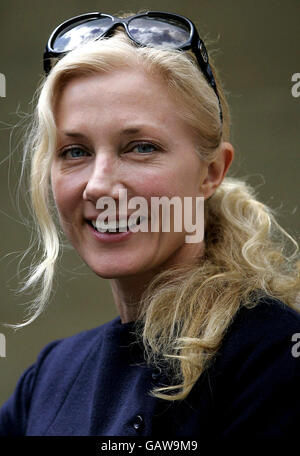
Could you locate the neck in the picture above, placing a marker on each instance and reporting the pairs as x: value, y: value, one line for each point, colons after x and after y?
x: 127, y: 292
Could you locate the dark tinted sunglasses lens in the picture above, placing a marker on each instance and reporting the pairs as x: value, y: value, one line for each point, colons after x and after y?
x: 80, y: 33
x: 159, y: 32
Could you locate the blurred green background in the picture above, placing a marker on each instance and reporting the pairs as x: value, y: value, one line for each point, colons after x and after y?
x: 257, y: 52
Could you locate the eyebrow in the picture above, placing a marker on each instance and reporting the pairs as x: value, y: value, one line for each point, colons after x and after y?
x: 126, y: 131
x: 73, y: 134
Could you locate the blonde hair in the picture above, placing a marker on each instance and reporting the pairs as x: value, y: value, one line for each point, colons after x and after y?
x: 186, y: 310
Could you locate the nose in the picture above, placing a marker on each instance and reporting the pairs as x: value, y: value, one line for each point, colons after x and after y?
x: 103, y: 179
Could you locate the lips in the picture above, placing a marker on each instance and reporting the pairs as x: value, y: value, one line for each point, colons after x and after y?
x: 114, y: 226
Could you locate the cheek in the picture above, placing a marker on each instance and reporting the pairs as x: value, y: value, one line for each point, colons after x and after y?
x: 66, y: 196
x: 173, y: 183
x: 183, y: 178
x: 159, y: 182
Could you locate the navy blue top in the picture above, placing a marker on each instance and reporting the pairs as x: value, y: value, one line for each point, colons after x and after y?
x: 96, y: 383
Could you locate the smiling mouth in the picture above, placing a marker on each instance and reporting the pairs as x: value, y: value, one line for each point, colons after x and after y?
x: 115, y: 227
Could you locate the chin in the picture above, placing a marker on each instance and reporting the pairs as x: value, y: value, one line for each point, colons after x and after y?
x: 110, y: 271
x: 114, y: 274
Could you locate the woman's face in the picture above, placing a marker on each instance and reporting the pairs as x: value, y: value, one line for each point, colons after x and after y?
x: 116, y: 131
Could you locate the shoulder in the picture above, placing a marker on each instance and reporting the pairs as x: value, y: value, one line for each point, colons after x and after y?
x: 260, y: 346
x: 267, y: 325
x: 257, y: 372
x: 74, y: 348
x: 58, y: 363
x: 71, y: 352
x: 270, y: 312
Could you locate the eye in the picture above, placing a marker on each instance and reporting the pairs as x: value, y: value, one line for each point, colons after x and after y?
x: 73, y: 152
x: 144, y: 148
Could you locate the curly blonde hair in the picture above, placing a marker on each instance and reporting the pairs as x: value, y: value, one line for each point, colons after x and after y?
x: 186, y: 310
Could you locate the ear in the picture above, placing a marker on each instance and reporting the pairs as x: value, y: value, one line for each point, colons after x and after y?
x: 217, y: 169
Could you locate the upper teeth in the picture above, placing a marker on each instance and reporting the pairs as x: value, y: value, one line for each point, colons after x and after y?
x: 114, y: 225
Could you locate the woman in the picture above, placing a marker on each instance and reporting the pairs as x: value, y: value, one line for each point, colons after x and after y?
x: 203, y: 345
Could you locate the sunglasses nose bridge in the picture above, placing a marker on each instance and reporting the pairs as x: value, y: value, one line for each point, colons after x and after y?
x: 113, y: 26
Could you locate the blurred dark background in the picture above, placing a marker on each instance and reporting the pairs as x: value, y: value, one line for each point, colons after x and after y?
x: 257, y: 52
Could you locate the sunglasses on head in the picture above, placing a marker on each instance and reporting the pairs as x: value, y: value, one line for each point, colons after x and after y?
x: 153, y: 28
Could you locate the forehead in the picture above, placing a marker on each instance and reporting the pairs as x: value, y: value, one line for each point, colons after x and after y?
x: 115, y: 85
x: 119, y: 96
